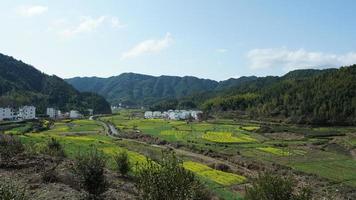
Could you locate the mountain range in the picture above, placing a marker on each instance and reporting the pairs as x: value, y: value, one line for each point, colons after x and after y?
x: 143, y: 90
x: 312, y: 96
x: 139, y: 89
x: 302, y: 96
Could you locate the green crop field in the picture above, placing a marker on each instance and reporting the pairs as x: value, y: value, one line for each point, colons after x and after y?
x: 217, y: 176
x: 227, y: 137
x: 80, y: 135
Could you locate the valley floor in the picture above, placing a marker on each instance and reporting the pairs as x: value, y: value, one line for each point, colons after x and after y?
x: 224, y: 154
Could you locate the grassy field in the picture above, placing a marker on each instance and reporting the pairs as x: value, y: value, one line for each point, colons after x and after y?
x: 230, y: 136
x: 227, y: 137
x: 80, y: 135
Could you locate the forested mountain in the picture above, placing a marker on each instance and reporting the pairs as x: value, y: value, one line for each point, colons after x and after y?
x: 302, y: 96
x: 138, y: 89
x: 22, y: 84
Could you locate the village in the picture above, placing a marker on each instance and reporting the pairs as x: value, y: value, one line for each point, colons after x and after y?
x: 29, y: 113
x: 174, y: 114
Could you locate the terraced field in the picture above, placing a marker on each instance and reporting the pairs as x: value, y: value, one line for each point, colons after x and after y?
x: 292, y: 148
x: 79, y: 135
x: 227, y: 137
x: 217, y: 176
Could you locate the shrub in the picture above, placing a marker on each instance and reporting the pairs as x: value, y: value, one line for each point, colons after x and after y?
x: 50, y: 176
x: 168, y: 180
x: 222, y: 167
x: 272, y: 187
x: 54, y: 148
x: 9, y: 191
x: 89, y: 168
x: 10, y: 146
x: 122, y: 163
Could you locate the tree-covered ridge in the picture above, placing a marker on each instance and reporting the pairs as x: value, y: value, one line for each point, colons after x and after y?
x: 326, y: 97
x: 138, y: 89
x: 22, y: 84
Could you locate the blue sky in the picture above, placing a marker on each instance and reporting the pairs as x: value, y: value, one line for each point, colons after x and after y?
x: 215, y: 39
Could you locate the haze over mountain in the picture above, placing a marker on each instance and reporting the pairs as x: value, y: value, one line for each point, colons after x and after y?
x: 22, y: 84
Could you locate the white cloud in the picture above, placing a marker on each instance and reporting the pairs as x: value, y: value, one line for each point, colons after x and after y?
x: 222, y: 50
x: 297, y: 59
x: 149, y: 46
x: 87, y: 24
x: 29, y: 11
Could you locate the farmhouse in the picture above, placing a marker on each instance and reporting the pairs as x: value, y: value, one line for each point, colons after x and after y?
x: 74, y: 114
x: 27, y: 112
x: 53, y: 113
x: 148, y: 114
x: 7, y: 114
x: 174, y: 114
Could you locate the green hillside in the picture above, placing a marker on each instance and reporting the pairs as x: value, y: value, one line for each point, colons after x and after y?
x: 303, y: 96
x: 22, y: 84
x: 138, y: 89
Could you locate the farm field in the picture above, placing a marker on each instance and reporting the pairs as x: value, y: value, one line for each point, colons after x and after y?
x: 318, y: 151
x: 79, y: 135
x: 306, y: 149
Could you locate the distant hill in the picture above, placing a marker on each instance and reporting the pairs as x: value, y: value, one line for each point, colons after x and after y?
x: 22, y: 84
x: 138, y: 89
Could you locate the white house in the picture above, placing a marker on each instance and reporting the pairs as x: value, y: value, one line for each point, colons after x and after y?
x: 156, y: 114
x: 183, y: 114
x: 52, y: 113
x: 74, y: 114
x: 196, y: 114
x: 148, y: 114
x: 6, y: 113
x: 27, y: 112
x: 173, y: 115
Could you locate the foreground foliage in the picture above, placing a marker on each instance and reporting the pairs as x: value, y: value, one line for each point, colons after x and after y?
x: 89, y: 168
x: 9, y: 146
x: 122, y: 162
x: 273, y: 187
x: 9, y: 191
x: 168, y: 180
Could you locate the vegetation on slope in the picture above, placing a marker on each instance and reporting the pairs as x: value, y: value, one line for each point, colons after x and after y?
x: 22, y: 84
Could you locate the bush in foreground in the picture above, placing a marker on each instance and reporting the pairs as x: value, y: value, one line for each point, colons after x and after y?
x: 10, y: 146
x: 168, y: 180
x: 9, y: 191
x: 122, y: 163
x: 54, y: 148
x: 89, y: 168
x: 272, y: 187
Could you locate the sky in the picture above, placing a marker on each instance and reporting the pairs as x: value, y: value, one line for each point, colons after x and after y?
x: 215, y: 39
